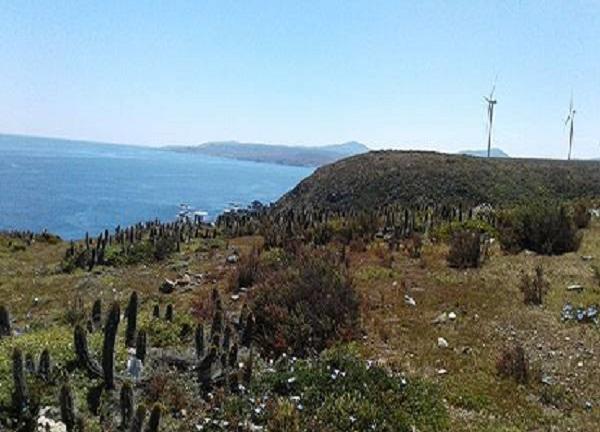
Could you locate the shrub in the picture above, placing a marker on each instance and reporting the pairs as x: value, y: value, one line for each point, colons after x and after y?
x: 447, y: 230
x: 414, y: 245
x: 246, y: 272
x: 581, y: 214
x: 307, y: 306
x: 340, y: 392
x: 544, y: 227
x: 534, y: 287
x: 513, y: 363
x: 465, y: 249
x: 383, y: 253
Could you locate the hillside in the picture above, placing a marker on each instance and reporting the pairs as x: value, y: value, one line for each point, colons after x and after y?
x: 407, y: 177
x: 279, y: 154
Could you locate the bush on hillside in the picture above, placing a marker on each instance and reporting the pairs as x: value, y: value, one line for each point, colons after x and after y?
x: 305, y: 306
x: 581, y: 214
x: 465, y: 249
x: 513, y: 363
x: 341, y: 392
x: 534, y: 287
x: 544, y: 227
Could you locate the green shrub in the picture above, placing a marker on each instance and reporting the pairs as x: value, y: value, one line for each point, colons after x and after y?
x: 446, y: 231
x: 340, y: 392
x: 581, y: 214
x: 305, y: 306
x: 544, y: 227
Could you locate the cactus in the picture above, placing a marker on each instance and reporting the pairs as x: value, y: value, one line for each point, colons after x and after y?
x: 97, y: 314
x: 4, y: 322
x: 29, y: 363
x: 108, y: 348
x: 45, y: 365
x: 126, y: 405
x: 248, y: 331
x: 248, y: 369
x: 131, y: 314
x: 154, y: 421
x: 205, y: 369
x: 20, y: 396
x: 67, y: 410
x: 141, y: 346
x: 169, y: 313
x: 233, y: 356
x: 137, y: 423
x: 227, y: 338
x: 199, y: 340
x: 234, y: 381
x: 217, y: 323
x: 84, y: 360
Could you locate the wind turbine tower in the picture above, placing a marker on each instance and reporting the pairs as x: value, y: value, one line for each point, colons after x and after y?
x: 570, y: 122
x: 491, y: 105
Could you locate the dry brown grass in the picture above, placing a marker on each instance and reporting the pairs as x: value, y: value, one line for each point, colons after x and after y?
x: 487, y: 301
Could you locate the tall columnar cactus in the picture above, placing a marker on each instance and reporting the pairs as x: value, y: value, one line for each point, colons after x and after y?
x: 227, y: 338
x: 199, y: 341
x: 137, y: 423
x: 97, y: 314
x: 126, y: 404
x: 67, y: 408
x: 108, y: 348
x: 4, y: 322
x: 141, y: 346
x: 154, y: 421
x: 233, y: 356
x: 20, y: 396
x: 205, y: 369
x: 131, y: 314
x: 84, y: 360
x: 45, y: 365
x: 169, y: 313
x: 248, y: 331
x: 216, y: 327
x: 248, y: 369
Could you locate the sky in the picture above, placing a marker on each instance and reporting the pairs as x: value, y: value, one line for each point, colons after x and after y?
x: 390, y: 74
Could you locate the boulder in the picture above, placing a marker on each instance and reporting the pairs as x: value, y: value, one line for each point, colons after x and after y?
x: 167, y: 287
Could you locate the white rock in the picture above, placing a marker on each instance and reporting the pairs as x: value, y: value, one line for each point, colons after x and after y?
x: 451, y: 316
x: 409, y: 300
x: 442, y: 343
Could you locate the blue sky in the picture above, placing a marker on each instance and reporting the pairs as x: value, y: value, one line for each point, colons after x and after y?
x: 391, y: 74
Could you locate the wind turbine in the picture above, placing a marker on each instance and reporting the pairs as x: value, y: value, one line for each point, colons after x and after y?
x: 569, y: 121
x: 491, y: 104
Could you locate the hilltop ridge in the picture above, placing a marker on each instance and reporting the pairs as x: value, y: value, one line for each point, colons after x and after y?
x: 407, y: 177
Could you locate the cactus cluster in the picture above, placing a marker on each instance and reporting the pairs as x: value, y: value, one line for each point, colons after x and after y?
x: 307, y: 225
x: 128, y: 245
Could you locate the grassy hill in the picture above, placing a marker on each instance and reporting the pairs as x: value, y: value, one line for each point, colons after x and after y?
x: 407, y: 177
x: 279, y: 154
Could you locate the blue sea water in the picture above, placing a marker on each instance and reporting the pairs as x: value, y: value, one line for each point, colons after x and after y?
x: 70, y: 187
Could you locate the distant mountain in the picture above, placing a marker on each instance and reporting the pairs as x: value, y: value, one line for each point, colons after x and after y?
x: 279, y: 154
x: 495, y: 152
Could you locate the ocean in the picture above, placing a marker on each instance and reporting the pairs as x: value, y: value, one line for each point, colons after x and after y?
x: 72, y: 187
